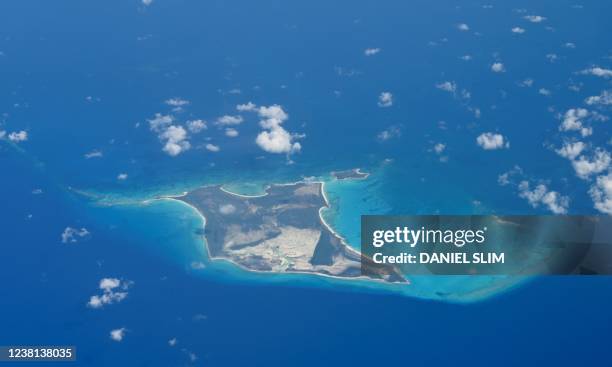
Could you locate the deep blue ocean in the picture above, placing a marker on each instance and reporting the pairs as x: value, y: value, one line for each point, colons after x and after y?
x: 85, y: 76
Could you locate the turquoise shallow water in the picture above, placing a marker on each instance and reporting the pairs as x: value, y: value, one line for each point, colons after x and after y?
x: 172, y: 230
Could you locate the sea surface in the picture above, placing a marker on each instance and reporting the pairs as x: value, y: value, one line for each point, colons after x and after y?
x: 86, y: 76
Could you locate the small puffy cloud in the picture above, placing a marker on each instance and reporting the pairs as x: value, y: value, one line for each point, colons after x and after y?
x: 492, y: 141
x: 604, y: 99
x: 447, y: 86
x: 540, y: 195
x: 599, y: 162
x: 439, y: 148
x: 573, y: 121
x: 176, y: 102
x: 544, y: 92
x: 274, y: 138
x: 371, y: 51
x: 172, y: 342
x: 277, y: 140
x: 212, y: 147
x: 498, y: 67
x: 272, y: 116
x: 122, y: 176
x: 227, y: 209
x: 389, y: 133
x: 597, y: 71
x: 526, y: 83
x: 229, y: 120
x: 232, y: 133
x: 571, y: 150
x: 71, y: 235
x: 94, y: 154
x: 18, y: 136
x: 175, y: 138
x: 250, y: 106
x: 463, y: 27
x: 601, y: 193
x: 118, y: 334
x: 518, y: 30
x: 113, y: 291
x: 159, y: 122
x: 466, y: 57
x: 385, y: 99
x: 195, y: 126
x: 506, y: 178
x: 534, y: 18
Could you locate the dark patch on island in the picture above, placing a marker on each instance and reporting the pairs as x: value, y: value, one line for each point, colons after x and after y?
x: 281, y: 231
x: 350, y: 174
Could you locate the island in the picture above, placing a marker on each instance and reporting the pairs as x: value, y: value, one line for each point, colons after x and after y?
x: 280, y: 231
x: 350, y: 174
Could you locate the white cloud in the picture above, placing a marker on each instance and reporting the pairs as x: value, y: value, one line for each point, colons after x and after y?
x: 439, y: 148
x: 113, y: 291
x: 147, y: 2
x: 571, y: 150
x: 597, y: 71
x: 601, y: 193
x: 552, y: 57
x: 447, y: 86
x: 597, y: 163
x: 232, y: 133
x: 605, y: 98
x: 118, y: 334
x: 172, y: 342
x: 463, y: 27
x: 212, y: 147
x: 159, y: 122
x: 18, y: 136
x: 371, y: 51
x: 275, y: 139
x: 272, y: 116
x: 498, y: 67
x: 229, y: 120
x: 93, y: 154
x: 71, y: 235
x: 175, y: 140
x: 573, y: 121
x: 526, y: 83
x: 390, y: 133
x: 534, y: 18
x: 122, y: 176
x: 227, y: 209
x: 176, y: 102
x: 518, y: 30
x: 385, y: 99
x: 540, y: 195
x: 250, y: 106
x: 195, y: 126
x: 544, y: 92
x: 466, y: 57
x: 492, y: 141
x: 504, y: 178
